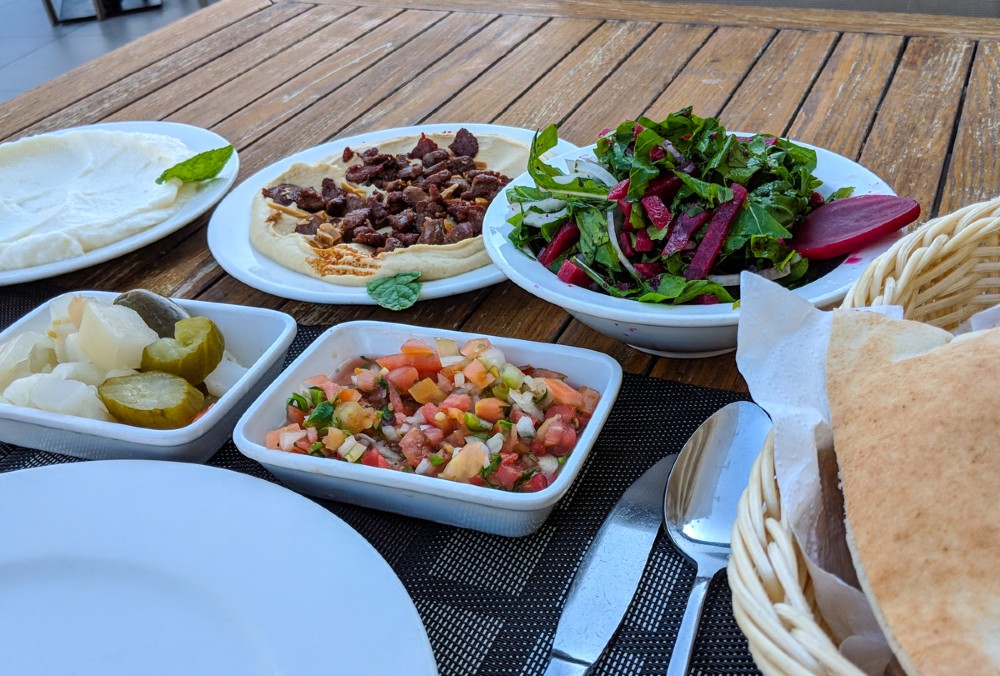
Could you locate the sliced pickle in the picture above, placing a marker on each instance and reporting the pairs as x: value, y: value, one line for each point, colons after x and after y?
x: 153, y: 399
x: 194, y: 351
x: 159, y: 313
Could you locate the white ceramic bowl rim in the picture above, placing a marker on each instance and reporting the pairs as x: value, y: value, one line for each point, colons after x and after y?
x: 833, y: 169
x: 142, y: 435
x: 415, y: 483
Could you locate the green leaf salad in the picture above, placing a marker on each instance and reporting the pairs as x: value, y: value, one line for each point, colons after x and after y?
x: 670, y: 212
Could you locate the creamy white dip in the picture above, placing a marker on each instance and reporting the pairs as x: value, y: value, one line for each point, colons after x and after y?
x: 64, y: 195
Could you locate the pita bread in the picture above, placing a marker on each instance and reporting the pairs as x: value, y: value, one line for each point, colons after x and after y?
x: 917, y: 436
x: 351, y: 264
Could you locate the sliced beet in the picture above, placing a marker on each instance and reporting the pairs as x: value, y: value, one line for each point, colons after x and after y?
x: 842, y: 226
x: 684, y: 226
x: 657, y: 211
x: 566, y: 236
x: 571, y: 273
x: 715, y: 235
x: 618, y: 190
x: 648, y: 270
x: 643, y: 242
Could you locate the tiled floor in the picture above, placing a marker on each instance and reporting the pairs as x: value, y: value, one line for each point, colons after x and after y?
x: 32, y: 50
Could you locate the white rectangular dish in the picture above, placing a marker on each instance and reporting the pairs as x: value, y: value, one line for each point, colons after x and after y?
x: 493, y: 511
x: 257, y: 338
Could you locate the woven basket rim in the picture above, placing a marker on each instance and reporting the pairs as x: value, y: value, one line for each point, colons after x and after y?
x: 941, y: 273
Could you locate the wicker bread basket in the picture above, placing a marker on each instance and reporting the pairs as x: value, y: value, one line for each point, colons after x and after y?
x: 941, y: 273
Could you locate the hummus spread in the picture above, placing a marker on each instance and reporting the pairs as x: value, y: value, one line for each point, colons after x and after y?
x: 64, y: 195
x: 281, y: 233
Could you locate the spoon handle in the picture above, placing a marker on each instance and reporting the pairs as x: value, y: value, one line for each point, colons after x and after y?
x: 680, y: 658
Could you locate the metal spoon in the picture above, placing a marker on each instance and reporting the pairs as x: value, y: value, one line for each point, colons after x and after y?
x: 700, y: 504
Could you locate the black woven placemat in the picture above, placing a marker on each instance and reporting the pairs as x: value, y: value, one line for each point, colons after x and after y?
x: 491, y: 604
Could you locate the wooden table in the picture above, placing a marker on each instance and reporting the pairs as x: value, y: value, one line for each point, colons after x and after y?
x: 911, y: 97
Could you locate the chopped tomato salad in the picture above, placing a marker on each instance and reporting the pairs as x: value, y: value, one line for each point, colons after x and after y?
x: 458, y: 412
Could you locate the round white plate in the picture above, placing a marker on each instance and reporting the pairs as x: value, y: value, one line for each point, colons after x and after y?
x: 834, y: 170
x: 144, y: 567
x: 210, y: 192
x: 229, y: 238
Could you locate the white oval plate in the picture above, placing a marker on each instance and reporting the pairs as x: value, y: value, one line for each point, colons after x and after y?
x: 229, y: 228
x: 144, y: 567
x: 834, y: 170
x: 198, y: 140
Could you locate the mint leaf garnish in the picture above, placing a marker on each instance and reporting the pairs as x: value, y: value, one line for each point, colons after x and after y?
x: 395, y: 293
x: 201, y: 167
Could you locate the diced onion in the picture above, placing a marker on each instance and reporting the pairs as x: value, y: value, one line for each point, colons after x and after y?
x: 548, y: 464
x: 286, y: 440
x: 452, y: 360
x: 425, y: 467
x: 526, y: 402
x: 525, y: 428
x: 495, y: 443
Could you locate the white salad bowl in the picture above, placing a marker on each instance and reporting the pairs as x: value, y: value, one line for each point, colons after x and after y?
x: 257, y: 339
x: 674, y: 330
x: 458, y: 504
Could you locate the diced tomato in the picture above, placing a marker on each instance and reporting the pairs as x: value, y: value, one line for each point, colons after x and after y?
x: 476, y: 480
x: 403, y: 378
x: 272, y: 439
x: 568, y: 413
x: 517, y: 414
x: 434, y: 436
x: 366, y: 381
x: 415, y: 446
x: 301, y: 446
x: 312, y: 434
x: 477, y: 374
x: 294, y: 415
x: 566, y: 441
x: 510, y: 441
x: 505, y: 476
x: 475, y: 346
x: 425, y: 364
x: 373, y: 458
x: 414, y: 346
x: 396, y: 402
x: 563, y: 394
x: 317, y: 381
x: 536, y: 483
x: 331, y: 390
x: 491, y: 409
x: 590, y: 399
x: 463, y: 402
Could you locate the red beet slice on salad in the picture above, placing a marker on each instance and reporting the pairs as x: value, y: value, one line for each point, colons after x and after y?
x: 842, y: 226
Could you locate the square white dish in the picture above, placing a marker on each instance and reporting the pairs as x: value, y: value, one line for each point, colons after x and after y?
x: 257, y: 338
x: 458, y: 504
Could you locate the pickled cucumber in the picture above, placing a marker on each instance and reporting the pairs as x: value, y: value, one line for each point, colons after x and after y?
x: 159, y: 313
x: 194, y: 351
x: 152, y: 399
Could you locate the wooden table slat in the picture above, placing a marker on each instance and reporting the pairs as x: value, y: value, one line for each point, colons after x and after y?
x: 847, y: 93
x: 909, y: 142
x: 974, y: 170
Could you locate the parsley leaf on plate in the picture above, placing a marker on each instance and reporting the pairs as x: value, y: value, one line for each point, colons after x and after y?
x: 201, y: 167
x: 395, y: 293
